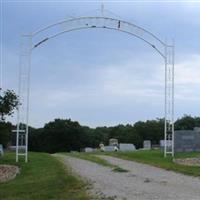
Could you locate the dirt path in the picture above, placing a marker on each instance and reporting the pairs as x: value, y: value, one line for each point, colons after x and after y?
x: 142, y: 182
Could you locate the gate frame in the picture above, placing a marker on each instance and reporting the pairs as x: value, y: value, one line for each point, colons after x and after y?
x: 29, y: 42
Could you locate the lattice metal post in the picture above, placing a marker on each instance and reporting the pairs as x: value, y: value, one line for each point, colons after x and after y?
x: 23, y: 109
x: 169, y: 100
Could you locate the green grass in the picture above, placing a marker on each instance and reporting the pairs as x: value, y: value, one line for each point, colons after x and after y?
x: 155, y: 158
x: 93, y: 158
x: 152, y: 157
x: 119, y: 169
x: 44, y: 177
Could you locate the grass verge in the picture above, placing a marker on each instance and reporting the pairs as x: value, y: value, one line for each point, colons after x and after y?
x: 42, y: 178
x: 155, y: 158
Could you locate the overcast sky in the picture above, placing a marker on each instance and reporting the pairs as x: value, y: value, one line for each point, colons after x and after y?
x: 102, y: 77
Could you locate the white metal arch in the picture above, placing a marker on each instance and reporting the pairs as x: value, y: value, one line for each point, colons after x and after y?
x: 32, y: 41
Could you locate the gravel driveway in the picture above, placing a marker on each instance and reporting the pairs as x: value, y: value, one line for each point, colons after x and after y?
x: 142, y: 182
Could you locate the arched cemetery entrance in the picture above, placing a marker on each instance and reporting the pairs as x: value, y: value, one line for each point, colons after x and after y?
x: 30, y: 42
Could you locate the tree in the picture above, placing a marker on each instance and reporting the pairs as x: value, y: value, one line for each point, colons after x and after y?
x: 8, y: 102
x: 186, y: 123
x: 150, y: 130
x: 58, y: 136
x: 5, y: 133
x: 66, y: 135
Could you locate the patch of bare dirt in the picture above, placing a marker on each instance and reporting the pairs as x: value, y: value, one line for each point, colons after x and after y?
x: 8, y: 172
x: 188, y: 161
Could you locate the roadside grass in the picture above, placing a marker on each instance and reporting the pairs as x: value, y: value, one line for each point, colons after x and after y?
x: 94, y: 158
x: 155, y: 158
x: 42, y: 178
x: 119, y: 169
x: 91, y: 157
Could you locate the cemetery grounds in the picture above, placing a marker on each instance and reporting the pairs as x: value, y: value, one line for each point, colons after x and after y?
x: 50, y: 177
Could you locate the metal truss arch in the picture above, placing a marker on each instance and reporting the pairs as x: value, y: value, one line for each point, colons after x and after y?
x: 40, y: 36
x: 98, y: 22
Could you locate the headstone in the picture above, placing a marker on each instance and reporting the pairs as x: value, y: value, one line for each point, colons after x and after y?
x: 113, y: 142
x: 102, y: 147
x: 126, y: 147
x: 1, y: 149
x: 116, y: 148
x: 162, y: 143
x: 109, y: 148
x: 147, y: 144
x: 88, y: 149
x: 187, y: 140
x: 197, y: 129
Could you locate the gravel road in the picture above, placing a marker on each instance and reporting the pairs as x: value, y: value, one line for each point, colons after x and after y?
x: 142, y: 182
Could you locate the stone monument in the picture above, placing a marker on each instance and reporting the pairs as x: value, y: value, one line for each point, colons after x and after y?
x: 113, y: 142
x: 187, y: 140
x: 147, y: 144
x: 126, y: 147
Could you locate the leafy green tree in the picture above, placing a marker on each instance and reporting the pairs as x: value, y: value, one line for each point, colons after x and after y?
x: 100, y: 134
x: 150, y: 130
x: 57, y: 136
x: 121, y: 133
x: 67, y: 135
x: 186, y: 123
x: 8, y: 102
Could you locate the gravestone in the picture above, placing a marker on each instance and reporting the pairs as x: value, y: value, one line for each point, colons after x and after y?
x: 1, y: 149
x: 147, y: 144
x: 113, y: 142
x: 187, y: 140
x: 109, y: 148
x: 162, y: 143
x: 88, y: 149
x: 197, y: 129
x: 126, y: 147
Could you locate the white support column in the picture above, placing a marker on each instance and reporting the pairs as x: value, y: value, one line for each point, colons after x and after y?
x: 23, y: 109
x: 169, y: 100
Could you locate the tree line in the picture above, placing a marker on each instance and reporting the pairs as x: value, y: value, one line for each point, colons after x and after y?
x: 67, y: 135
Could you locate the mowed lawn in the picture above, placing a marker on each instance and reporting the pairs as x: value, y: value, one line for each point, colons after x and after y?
x: 155, y: 158
x: 44, y: 177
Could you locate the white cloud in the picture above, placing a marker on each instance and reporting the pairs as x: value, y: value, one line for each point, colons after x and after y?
x: 114, y: 84
x: 188, y: 71
x: 187, y: 78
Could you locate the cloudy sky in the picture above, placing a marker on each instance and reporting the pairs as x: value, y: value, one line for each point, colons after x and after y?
x: 102, y: 77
